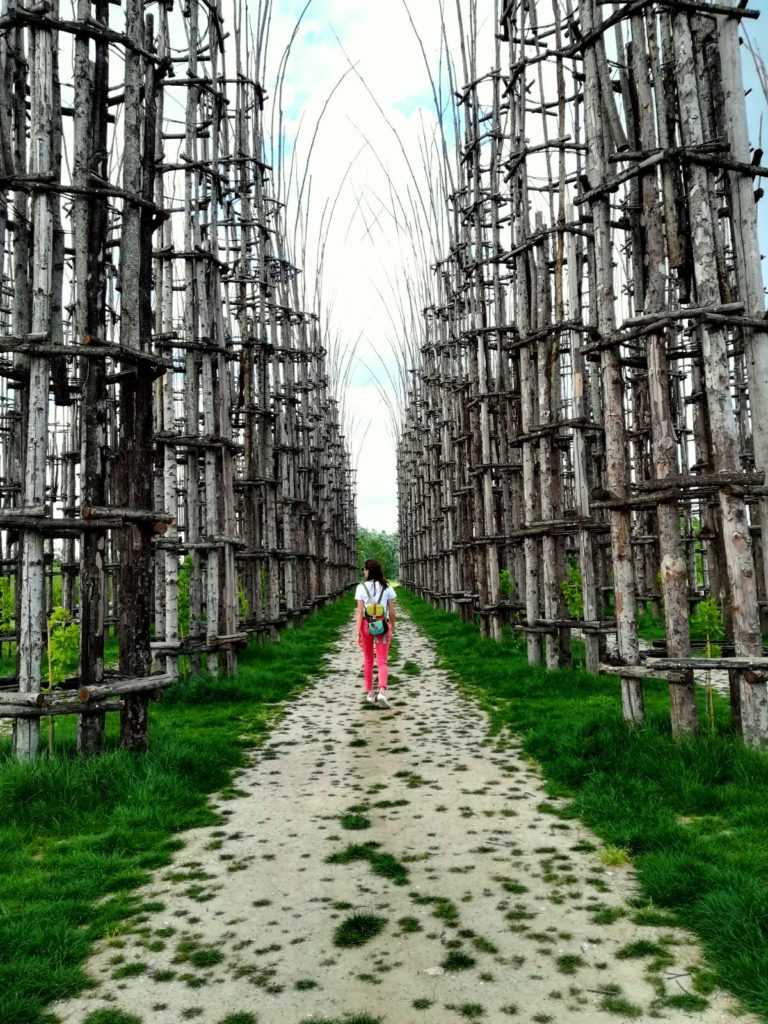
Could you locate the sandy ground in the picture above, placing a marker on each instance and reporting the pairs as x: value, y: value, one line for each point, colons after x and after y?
x: 499, y: 910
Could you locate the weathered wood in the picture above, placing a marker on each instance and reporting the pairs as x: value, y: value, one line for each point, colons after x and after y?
x: 31, y: 581
x: 122, y: 687
x: 624, y: 448
x: 736, y: 542
x: 754, y: 699
x: 32, y: 700
x: 650, y: 261
x: 734, y: 663
x: 86, y: 715
x: 642, y: 672
x: 589, y: 588
x: 615, y: 432
x: 167, y: 577
x: 90, y: 233
x: 99, y: 353
x: 159, y: 520
x: 133, y: 470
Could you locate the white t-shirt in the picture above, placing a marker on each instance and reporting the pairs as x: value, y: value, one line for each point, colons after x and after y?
x: 375, y: 595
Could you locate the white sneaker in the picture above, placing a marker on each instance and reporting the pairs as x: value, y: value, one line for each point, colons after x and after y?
x: 369, y: 697
x: 381, y: 699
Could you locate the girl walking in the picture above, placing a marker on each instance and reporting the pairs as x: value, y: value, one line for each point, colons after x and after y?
x: 375, y: 601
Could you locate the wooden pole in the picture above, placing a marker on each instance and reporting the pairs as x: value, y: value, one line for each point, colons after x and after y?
x: 598, y: 105
x: 90, y: 218
x: 31, y: 582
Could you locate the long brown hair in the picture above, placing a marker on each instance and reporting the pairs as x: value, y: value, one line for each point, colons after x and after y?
x: 375, y: 572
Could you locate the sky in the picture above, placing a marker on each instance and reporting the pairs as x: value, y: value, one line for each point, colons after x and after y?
x: 382, y: 109
x: 357, y: 67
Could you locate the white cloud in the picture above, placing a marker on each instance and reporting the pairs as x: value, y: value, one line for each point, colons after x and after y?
x: 375, y: 243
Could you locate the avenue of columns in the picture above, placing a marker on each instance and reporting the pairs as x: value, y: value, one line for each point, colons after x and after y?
x: 173, y: 469
x: 586, y: 439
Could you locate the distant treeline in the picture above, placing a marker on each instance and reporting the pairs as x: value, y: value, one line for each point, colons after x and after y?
x: 385, y: 547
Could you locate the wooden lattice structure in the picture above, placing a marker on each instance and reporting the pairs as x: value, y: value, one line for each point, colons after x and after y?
x: 165, y: 410
x: 590, y: 402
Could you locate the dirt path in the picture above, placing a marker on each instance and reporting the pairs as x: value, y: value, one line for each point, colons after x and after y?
x: 488, y: 906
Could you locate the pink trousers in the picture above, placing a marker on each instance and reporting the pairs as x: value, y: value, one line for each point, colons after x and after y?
x: 380, y: 645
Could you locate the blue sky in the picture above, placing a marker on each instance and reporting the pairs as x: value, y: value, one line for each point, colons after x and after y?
x: 757, y: 119
x: 369, y: 253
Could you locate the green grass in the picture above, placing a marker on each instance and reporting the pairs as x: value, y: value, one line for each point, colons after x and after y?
x: 382, y: 864
x: 357, y: 1018
x: 358, y: 929
x: 458, y: 960
x: 687, y: 1001
x: 471, y: 1011
x: 613, y: 856
x: 444, y: 909
x: 79, y: 835
x: 607, y: 915
x: 641, y: 948
x: 355, y: 822
x: 569, y: 963
x: 692, y: 815
x: 620, y: 1006
x: 129, y: 970
x: 192, y: 952
x: 408, y: 925
x: 111, y: 1017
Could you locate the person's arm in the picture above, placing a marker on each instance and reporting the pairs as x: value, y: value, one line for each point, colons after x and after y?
x: 392, y: 615
x: 359, y: 621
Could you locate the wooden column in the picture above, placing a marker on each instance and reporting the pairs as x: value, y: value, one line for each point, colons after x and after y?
x: 91, y: 154
x: 599, y: 111
x: 31, y: 579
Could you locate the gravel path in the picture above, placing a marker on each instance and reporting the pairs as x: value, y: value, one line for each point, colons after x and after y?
x: 471, y: 898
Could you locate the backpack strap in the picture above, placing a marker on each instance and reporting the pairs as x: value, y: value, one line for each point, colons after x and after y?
x: 371, y: 600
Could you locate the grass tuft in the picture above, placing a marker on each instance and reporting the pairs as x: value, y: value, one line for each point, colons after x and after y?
x: 569, y: 963
x: 383, y: 864
x: 687, y: 1001
x: 357, y: 1018
x: 355, y: 822
x: 133, y: 970
x: 110, y: 1016
x: 358, y: 929
x: 458, y: 960
x: 471, y: 1011
x: 408, y: 925
x: 641, y: 948
x: 621, y: 1006
x: 614, y: 856
x: 607, y: 915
